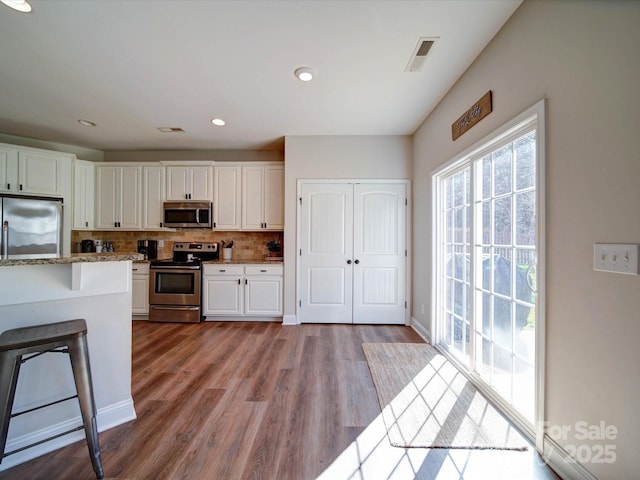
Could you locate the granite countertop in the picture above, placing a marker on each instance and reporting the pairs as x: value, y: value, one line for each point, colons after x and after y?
x: 237, y: 261
x: 244, y: 261
x: 73, y: 258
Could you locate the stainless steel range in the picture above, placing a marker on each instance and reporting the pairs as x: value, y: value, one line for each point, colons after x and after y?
x: 176, y: 284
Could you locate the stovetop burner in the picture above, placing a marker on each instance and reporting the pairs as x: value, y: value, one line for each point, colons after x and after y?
x: 192, y: 253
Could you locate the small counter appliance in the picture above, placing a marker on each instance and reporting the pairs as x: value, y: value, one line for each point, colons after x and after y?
x: 148, y: 248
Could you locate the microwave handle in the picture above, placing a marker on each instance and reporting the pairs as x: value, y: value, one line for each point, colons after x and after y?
x: 198, y: 216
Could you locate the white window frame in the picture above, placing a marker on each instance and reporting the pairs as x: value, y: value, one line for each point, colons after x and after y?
x: 535, y: 115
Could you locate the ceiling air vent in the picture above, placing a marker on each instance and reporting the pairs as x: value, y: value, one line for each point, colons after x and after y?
x: 171, y: 129
x: 420, y: 54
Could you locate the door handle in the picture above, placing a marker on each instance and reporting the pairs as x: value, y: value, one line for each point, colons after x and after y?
x: 348, y: 262
x: 357, y: 262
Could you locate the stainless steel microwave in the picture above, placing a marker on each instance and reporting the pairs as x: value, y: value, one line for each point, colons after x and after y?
x: 187, y: 214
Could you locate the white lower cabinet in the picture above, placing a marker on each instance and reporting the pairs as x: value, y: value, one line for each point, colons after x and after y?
x: 140, y: 289
x: 242, y: 291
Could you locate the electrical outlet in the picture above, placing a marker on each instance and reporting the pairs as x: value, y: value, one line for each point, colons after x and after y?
x: 616, y: 257
x: 160, y: 243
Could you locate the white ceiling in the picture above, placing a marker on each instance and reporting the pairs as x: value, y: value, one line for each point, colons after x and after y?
x: 131, y: 66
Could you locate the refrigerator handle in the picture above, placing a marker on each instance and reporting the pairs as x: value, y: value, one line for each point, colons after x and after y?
x: 4, y: 244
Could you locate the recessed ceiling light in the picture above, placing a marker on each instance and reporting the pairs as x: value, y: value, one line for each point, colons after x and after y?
x: 305, y: 74
x: 19, y: 5
x: 218, y: 122
x: 86, y: 123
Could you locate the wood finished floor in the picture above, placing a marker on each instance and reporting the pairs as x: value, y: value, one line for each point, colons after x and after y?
x: 236, y: 400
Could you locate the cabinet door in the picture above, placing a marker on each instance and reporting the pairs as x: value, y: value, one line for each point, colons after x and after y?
x: 178, y: 181
x: 252, y: 198
x: 263, y: 296
x: 227, y: 198
x: 39, y: 173
x: 201, y: 183
x: 130, y: 198
x: 222, y: 295
x: 153, y: 187
x: 139, y: 293
x: 274, y: 198
x: 83, y: 195
x: 8, y: 170
x: 107, y: 179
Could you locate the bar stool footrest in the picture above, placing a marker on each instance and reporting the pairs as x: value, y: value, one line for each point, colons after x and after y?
x: 81, y: 427
x: 17, y: 414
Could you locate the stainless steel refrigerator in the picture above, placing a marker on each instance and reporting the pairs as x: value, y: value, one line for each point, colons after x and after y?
x: 31, y: 227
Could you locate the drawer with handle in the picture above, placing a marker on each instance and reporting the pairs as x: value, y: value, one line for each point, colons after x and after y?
x: 263, y: 270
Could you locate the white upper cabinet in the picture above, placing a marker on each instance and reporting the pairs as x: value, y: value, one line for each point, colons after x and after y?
x: 153, y: 193
x: 263, y: 198
x: 189, y: 182
x: 227, y: 185
x: 33, y: 172
x: 8, y: 169
x: 118, y: 197
x: 83, y: 195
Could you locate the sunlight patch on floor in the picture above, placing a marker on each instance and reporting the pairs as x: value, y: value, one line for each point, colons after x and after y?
x: 371, y: 457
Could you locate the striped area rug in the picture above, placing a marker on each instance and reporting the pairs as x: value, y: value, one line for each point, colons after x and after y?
x: 427, y: 402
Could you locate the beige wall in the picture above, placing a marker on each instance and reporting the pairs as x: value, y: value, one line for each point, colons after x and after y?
x: 334, y: 157
x: 583, y: 57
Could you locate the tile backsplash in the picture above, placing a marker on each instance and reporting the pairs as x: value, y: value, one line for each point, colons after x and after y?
x: 247, y: 245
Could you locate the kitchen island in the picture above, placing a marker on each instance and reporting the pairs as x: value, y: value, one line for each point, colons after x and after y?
x: 96, y: 287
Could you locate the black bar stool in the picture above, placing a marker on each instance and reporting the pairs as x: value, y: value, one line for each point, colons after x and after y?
x: 62, y: 337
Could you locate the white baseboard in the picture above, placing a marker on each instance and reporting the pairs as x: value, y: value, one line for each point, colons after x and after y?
x: 420, y: 330
x: 107, y: 417
x: 560, y: 461
x: 290, y: 320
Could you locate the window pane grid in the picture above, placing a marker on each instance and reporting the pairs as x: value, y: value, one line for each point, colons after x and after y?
x: 457, y: 230
x: 503, y: 275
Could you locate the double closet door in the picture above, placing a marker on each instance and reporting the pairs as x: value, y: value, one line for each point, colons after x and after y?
x: 352, y: 253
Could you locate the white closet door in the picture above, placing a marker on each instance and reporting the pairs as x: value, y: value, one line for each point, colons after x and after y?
x: 326, y: 222
x: 379, y: 253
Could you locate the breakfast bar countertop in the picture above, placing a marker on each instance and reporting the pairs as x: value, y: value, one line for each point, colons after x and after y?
x: 73, y: 258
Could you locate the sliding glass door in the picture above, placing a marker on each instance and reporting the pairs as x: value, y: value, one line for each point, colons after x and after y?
x: 487, y: 222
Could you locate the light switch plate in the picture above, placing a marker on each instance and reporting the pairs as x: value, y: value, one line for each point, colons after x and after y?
x: 616, y: 257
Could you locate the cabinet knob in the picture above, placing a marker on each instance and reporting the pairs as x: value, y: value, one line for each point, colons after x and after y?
x: 21, y: 187
x: 357, y: 262
x: 348, y: 262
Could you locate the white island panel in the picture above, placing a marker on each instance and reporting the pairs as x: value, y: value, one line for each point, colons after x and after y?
x: 36, y: 294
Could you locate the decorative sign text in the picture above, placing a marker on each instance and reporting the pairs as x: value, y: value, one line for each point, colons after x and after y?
x: 477, y: 112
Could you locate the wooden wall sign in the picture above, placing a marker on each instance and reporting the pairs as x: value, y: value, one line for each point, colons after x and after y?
x: 477, y: 112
